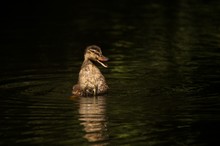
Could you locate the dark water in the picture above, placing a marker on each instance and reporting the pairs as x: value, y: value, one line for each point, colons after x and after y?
x: 163, y: 73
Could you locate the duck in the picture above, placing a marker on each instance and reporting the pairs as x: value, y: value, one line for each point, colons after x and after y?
x: 91, y: 81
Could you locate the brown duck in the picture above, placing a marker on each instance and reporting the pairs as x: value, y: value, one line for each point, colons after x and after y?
x: 91, y: 82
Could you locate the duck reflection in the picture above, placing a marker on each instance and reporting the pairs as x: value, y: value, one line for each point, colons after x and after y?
x: 93, y: 118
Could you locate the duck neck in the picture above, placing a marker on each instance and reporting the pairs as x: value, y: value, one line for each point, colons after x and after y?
x: 87, y: 62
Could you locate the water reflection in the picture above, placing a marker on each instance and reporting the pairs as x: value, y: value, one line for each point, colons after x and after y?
x: 92, y: 117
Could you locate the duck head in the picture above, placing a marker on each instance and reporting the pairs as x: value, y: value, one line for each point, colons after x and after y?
x: 94, y: 53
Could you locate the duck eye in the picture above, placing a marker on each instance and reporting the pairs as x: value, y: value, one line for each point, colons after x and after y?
x: 95, y: 52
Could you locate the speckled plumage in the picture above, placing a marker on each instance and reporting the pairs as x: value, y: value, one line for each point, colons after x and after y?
x: 91, y: 82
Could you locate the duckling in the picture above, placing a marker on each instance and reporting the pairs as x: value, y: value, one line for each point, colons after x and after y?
x: 91, y: 82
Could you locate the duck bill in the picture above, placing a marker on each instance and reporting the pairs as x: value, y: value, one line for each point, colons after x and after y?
x: 101, y: 61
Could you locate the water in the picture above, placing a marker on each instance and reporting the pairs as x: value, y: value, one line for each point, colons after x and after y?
x: 163, y: 74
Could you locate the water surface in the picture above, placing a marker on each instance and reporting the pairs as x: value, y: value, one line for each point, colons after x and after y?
x: 163, y: 74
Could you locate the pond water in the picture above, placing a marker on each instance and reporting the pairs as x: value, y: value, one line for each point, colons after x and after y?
x: 163, y: 73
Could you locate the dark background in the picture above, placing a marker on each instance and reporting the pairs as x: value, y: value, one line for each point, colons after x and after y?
x: 163, y: 76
